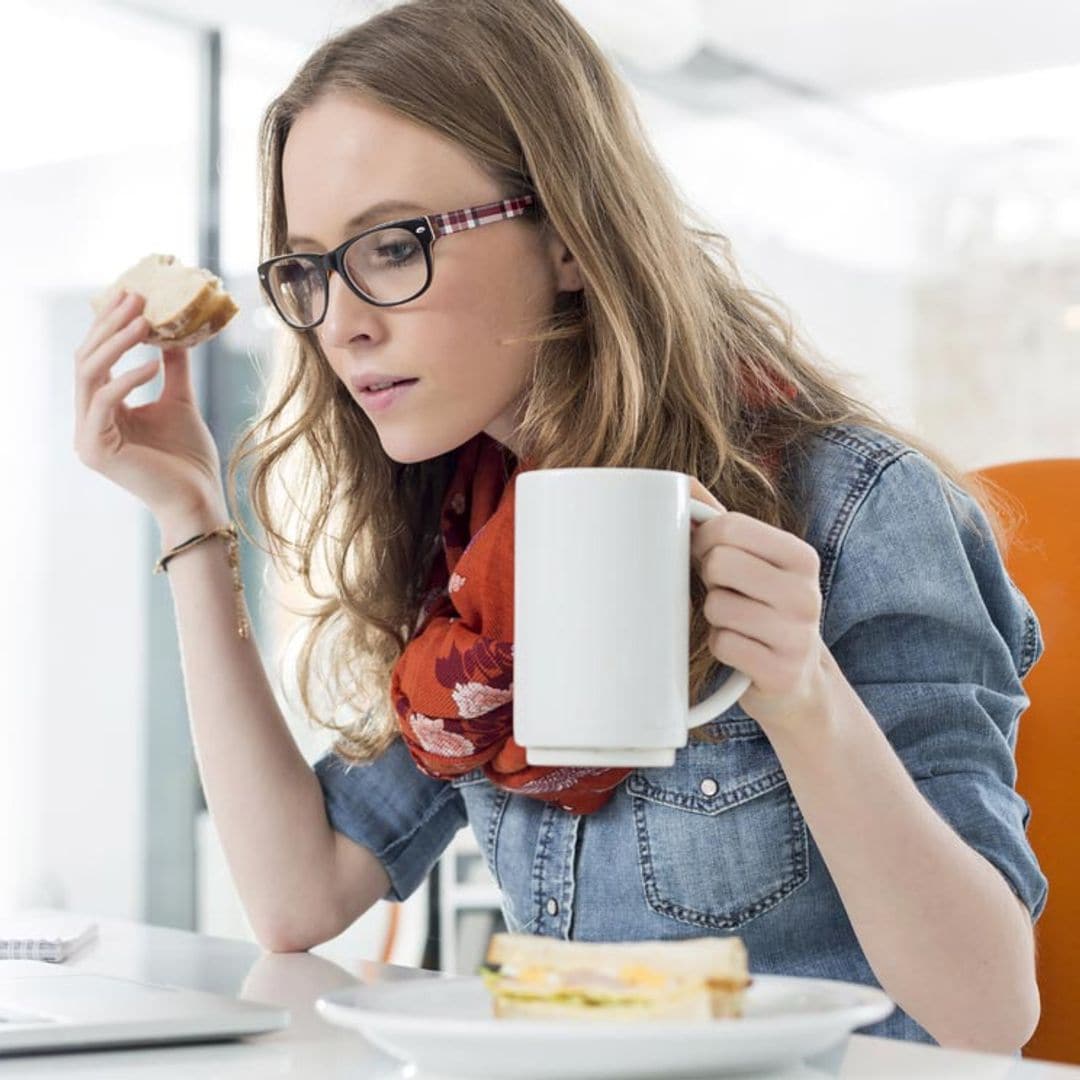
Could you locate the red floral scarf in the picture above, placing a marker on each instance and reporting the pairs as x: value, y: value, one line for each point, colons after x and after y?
x: 452, y: 687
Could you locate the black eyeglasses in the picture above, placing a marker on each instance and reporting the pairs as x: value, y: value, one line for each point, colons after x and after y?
x: 386, y: 265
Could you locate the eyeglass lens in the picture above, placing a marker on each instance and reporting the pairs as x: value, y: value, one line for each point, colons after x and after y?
x: 387, y: 265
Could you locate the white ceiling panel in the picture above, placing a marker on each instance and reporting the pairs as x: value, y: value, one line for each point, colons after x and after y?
x: 853, y: 47
x: 847, y: 47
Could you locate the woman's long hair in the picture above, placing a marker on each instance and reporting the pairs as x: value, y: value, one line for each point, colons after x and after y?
x: 666, y: 360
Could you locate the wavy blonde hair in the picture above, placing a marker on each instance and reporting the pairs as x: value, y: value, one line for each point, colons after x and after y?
x: 648, y: 367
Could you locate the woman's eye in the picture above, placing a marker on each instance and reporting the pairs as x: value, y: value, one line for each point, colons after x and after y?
x: 397, y: 253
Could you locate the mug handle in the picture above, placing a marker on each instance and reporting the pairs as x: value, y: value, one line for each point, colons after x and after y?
x: 736, y: 684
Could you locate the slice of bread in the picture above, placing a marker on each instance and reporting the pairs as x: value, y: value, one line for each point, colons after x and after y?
x: 718, y: 959
x: 686, y: 1007
x: 184, y: 305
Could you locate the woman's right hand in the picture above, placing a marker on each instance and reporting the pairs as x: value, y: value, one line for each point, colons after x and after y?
x: 161, y: 452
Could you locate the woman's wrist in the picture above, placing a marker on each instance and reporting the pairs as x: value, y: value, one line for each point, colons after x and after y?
x: 810, y: 722
x: 182, y: 523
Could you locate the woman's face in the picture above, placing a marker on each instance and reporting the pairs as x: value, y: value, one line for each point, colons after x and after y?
x: 489, y: 285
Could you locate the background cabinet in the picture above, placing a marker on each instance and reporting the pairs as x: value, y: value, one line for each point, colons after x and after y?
x: 470, y: 906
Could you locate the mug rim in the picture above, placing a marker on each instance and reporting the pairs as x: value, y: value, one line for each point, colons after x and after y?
x: 574, y: 470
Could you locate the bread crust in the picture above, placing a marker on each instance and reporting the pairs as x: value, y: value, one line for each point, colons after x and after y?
x: 726, y: 1003
x: 204, y: 317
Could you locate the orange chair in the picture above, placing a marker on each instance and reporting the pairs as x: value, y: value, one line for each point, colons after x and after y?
x: 1044, y: 561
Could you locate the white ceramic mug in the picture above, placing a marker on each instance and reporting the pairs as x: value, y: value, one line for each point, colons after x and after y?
x: 602, y: 617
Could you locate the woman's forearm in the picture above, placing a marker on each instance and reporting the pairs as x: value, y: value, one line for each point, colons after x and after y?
x: 265, y: 800
x: 942, y: 930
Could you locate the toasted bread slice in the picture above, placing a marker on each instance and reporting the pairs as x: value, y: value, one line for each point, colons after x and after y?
x: 184, y: 305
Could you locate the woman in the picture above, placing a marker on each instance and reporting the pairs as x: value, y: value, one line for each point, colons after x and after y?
x: 459, y: 194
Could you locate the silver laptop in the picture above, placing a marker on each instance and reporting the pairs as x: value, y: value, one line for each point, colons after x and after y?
x: 44, y: 1010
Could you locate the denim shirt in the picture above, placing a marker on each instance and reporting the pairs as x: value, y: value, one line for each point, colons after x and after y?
x: 928, y: 628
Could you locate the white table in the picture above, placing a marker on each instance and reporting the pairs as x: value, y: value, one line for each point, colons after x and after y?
x: 313, y: 1049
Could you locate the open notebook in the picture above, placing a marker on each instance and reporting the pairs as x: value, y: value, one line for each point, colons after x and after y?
x: 53, y: 938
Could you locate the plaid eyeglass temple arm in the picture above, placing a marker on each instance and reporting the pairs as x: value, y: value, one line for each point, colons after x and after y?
x: 474, y: 216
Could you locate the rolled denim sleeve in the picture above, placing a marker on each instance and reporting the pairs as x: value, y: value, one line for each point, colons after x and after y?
x: 935, y: 638
x: 406, y: 819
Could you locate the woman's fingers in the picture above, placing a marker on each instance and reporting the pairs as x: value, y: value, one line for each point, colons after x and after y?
x: 178, y: 386
x: 700, y: 492
x: 107, y: 323
x: 727, y: 609
x: 102, y: 408
x: 93, y: 371
x: 794, y: 592
x: 733, y: 568
x: 782, y: 549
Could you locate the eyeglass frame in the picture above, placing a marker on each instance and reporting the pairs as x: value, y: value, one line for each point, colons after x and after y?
x: 427, y: 228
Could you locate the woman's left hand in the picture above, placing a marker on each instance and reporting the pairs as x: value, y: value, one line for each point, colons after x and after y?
x: 764, y: 605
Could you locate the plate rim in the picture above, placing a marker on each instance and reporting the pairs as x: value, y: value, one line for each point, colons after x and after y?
x: 870, y: 1005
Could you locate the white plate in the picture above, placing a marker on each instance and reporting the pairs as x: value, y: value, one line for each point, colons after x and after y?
x: 446, y: 1026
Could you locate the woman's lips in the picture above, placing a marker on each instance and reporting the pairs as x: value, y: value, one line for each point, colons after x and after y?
x: 378, y: 400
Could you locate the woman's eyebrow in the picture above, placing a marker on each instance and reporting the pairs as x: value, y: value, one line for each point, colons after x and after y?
x: 371, y: 215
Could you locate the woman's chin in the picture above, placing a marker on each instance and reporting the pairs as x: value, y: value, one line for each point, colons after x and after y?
x: 405, y: 452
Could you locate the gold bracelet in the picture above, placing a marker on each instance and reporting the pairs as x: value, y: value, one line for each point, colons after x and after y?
x: 228, y: 533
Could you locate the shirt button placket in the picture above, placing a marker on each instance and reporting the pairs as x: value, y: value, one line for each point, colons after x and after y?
x: 562, y: 903
x: 554, y: 870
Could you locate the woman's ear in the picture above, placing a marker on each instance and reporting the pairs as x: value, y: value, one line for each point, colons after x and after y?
x: 567, y: 271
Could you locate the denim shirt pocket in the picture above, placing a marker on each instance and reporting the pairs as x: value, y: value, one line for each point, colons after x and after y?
x: 720, y: 837
x: 484, y: 805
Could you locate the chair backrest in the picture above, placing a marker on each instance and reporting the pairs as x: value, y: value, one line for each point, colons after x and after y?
x: 1044, y: 561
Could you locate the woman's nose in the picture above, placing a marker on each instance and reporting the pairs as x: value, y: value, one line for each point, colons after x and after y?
x: 348, y: 316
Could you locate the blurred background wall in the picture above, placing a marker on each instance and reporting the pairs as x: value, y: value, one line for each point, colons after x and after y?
x: 903, y: 176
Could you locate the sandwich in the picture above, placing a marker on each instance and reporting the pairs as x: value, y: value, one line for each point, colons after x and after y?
x: 184, y: 305
x: 693, y: 979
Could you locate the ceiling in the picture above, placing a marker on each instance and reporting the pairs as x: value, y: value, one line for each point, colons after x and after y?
x: 841, y: 47
x: 962, y: 71
x: 901, y: 85
x: 886, y: 100
x: 851, y: 47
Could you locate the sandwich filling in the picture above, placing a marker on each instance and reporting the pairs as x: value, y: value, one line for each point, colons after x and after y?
x: 628, y: 985
x: 531, y: 977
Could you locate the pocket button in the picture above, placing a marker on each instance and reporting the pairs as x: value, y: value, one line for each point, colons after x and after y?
x: 709, y: 787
